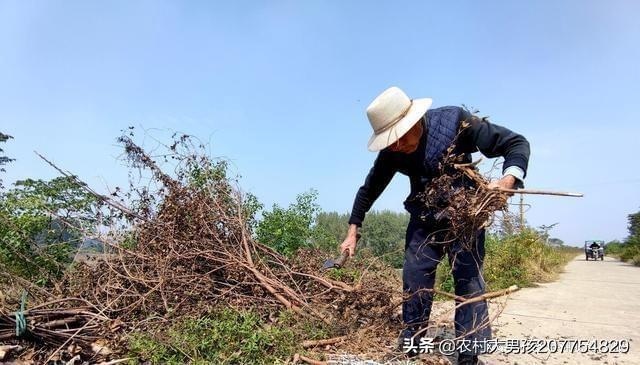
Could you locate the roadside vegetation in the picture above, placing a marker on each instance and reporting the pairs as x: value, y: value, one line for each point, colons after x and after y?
x: 629, y: 249
x: 523, y: 259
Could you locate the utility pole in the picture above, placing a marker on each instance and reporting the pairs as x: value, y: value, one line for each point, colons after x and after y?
x: 521, y: 213
x: 546, y: 229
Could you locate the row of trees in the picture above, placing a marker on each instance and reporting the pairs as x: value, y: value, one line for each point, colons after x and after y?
x: 303, y: 224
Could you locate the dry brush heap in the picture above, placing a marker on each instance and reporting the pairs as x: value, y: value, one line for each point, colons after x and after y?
x: 189, y: 248
x: 186, y: 246
x: 196, y: 250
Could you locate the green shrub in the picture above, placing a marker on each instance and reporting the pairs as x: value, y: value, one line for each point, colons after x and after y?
x: 41, y: 224
x: 629, y: 251
x: 346, y: 274
x: 613, y: 248
x: 288, y: 229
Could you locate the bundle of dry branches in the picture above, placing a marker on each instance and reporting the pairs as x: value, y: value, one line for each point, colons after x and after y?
x: 460, y: 199
x: 57, y: 322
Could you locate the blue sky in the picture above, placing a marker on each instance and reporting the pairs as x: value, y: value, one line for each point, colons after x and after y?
x: 280, y: 89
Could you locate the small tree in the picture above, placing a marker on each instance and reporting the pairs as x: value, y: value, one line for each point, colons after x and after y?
x: 634, y: 224
x: 3, y: 159
x: 288, y: 229
x: 41, y: 224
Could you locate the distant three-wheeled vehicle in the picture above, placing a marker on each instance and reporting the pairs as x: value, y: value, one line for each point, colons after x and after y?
x: 594, y: 250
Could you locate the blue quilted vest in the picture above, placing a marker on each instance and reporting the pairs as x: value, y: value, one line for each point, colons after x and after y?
x: 442, y: 128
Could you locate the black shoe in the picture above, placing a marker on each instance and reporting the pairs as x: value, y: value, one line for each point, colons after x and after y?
x: 468, y: 359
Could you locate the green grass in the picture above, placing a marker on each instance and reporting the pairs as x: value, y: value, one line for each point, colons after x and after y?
x: 345, y: 274
x: 226, y: 336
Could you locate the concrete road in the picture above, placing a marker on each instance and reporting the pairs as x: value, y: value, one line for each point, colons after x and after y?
x: 590, y: 300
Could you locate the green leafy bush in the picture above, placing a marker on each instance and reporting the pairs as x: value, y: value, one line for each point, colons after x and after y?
x: 288, y: 229
x: 629, y: 250
x: 522, y: 259
x: 444, y: 278
x: 41, y: 225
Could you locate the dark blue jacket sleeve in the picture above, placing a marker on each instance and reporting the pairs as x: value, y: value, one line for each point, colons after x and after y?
x: 493, y: 141
x: 377, y: 180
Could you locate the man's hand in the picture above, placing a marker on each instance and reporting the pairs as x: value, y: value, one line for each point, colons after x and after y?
x: 507, y: 182
x: 349, y: 243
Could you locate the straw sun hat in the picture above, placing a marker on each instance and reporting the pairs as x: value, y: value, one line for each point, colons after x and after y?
x: 391, y: 115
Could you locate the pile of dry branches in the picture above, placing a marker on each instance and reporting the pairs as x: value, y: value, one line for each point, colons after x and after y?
x: 181, y: 244
x: 189, y: 249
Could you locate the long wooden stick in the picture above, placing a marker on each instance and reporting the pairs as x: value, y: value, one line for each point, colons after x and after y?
x: 324, y: 342
x: 102, y: 198
x: 113, y: 362
x: 539, y: 192
x: 494, y: 294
